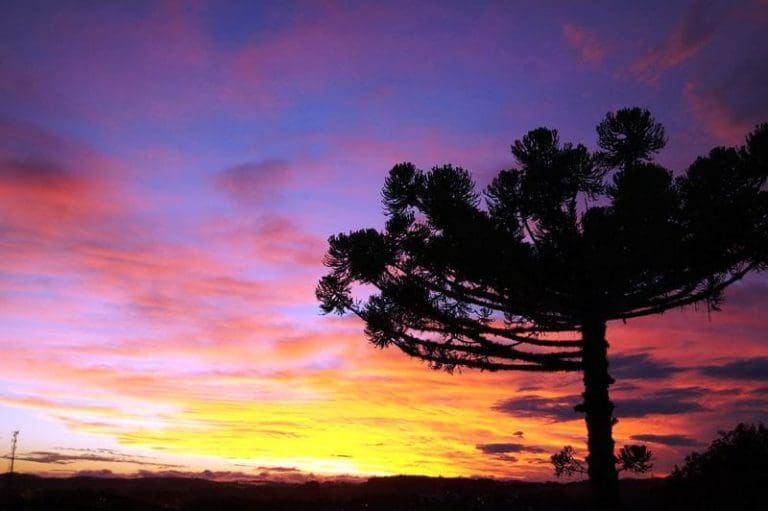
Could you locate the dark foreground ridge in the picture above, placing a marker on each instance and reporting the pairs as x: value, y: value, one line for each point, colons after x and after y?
x: 402, y: 493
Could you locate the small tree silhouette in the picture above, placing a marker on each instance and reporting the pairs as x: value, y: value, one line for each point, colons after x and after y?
x: 634, y: 458
x: 562, y: 244
x: 566, y: 464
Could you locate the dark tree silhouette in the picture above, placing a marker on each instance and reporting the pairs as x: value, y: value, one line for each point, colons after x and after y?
x: 559, y: 245
x: 731, y: 474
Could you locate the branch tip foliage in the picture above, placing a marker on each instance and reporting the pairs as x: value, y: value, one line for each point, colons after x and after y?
x: 506, y: 277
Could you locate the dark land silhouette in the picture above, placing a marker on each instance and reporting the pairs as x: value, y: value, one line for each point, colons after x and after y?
x: 391, y: 494
x: 526, y: 275
x: 405, y: 493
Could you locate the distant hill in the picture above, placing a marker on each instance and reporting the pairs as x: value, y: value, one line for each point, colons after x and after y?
x: 30, y: 493
x: 22, y: 492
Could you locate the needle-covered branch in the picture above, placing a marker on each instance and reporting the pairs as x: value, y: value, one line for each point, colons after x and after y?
x: 518, y: 263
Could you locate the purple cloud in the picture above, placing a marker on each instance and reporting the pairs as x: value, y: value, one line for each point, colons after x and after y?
x: 754, y: 368
x: 670, y: 440
x: 254, y: 183
x: 501, y: 448
x: 640, y: 366
x: 561, y: 409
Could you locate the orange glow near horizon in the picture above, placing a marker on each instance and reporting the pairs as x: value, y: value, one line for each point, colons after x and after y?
x: 377, y: 413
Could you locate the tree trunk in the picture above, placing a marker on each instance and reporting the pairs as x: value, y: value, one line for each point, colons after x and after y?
x: 601, y: 462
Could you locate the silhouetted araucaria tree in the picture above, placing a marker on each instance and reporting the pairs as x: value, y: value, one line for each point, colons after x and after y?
x: 563, y: 243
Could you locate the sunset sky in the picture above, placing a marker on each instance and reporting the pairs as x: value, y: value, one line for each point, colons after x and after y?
x: 170, y: 171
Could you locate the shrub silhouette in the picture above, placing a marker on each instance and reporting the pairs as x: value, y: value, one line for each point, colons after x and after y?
x: 731, y: 474
x: 633, y: 458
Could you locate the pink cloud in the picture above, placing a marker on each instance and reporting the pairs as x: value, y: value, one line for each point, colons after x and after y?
x: 55, y: 195
x: 711, y: 110
x: 697, y: 28
x: 276, y: 240
x: 50, y: 184
x: 282, y: 239
x: 591, y: 50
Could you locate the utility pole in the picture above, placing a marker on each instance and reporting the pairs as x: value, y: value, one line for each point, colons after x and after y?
x: 13, y: 450
x: 10, y: 497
